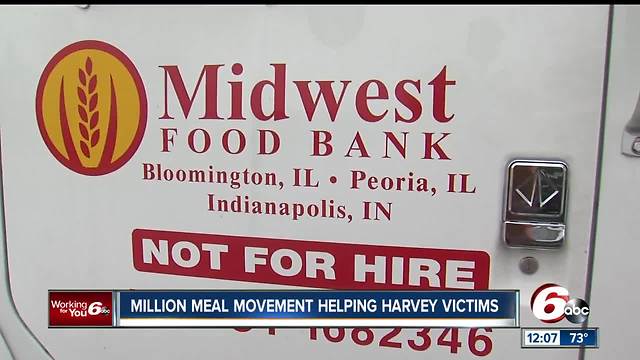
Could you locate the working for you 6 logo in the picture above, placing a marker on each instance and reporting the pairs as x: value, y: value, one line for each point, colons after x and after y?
x: 91, y: 107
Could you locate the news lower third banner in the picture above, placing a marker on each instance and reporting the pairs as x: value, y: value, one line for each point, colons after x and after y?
x: 286, y: 308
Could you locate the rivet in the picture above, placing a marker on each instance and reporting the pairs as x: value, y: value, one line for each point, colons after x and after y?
x: 529, y: 265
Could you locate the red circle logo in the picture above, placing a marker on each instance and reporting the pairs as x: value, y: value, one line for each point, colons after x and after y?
x: 91, y: 107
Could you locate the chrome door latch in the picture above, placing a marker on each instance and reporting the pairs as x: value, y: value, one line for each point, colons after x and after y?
x: 535, y: 204
x: 631, y: 134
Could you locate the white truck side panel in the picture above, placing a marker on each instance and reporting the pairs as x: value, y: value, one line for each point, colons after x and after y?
x: 529, y: 85
x: 615, y: 284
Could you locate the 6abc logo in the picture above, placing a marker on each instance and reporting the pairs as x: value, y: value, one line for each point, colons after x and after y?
x: 550, y: 303
x: 97, y: 308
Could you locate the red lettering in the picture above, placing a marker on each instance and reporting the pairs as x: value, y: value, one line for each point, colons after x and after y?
x: 430, y: 145
x: 317, y: 142
x: 263, y: 142
x: 439, y: 84
x: 236, y: 94
x: 168, y: 138
x: 359, y: 145
x: 242, y: 141
x: 205, y: 138
x: 210, y: 75
x: 325, y: 92
x: 362, y: 97
x: 279, y: 95
x: 402, y: 148
x: 409, y: 101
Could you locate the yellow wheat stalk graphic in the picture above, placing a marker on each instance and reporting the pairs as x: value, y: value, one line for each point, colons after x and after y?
x: 88, y: 108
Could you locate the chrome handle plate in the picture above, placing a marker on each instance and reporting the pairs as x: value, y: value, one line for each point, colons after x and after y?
x: 535, y: 204
x: 631, y: 133
x: 630, y: 143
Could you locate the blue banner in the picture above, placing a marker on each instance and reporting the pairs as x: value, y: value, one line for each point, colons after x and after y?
x: 301, y: 308
x: 579, y: 337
